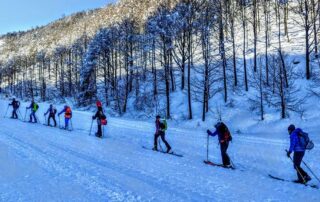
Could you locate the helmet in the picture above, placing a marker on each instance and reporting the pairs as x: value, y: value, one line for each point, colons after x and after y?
x: 158, y: 117
x: 99, y: 104
x: 291, y: 128
x: 217, y: 124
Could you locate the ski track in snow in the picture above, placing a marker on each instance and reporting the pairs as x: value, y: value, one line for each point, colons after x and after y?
x: 40, y: 163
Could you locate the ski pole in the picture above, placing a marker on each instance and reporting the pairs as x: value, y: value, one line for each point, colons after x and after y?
x: 6, y: 112
x: 25, y: 115
x: 37, y: 119
x: 59, y: 122
x: 71, y: 124
x: 311, y: 171
x: 304, y: 181
x: 91, y: 127
x: 207, y: 147
x: 20, y: 114
x: 45, y: 119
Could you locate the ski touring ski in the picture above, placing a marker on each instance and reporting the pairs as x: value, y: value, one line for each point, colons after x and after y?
x: 217, y: 164
x: 50, y: 125
x: 66, y: 129
x: 285, y: 180
x: 171, y: 153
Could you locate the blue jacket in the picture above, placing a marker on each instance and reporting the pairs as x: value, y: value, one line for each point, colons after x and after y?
x: 295, y: 144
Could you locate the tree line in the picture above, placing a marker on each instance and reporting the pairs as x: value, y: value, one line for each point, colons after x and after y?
x: 199, y: 47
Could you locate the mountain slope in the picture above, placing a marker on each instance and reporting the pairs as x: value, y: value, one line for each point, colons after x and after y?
x: 67, y: 30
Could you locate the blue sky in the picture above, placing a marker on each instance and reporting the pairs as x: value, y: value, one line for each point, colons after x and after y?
x: 22, y: 15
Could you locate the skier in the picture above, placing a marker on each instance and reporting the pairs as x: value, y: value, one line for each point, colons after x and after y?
x: 299, y: 151
x: 67, y: 116
x: 34, y: 108
x: 101, y: 119
x: 224, y: 137
x: 15, y: 105
x: 160, y: 131
x: 52, y: 115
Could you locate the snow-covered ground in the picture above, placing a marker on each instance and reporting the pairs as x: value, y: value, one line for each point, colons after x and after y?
x: 40, y: 163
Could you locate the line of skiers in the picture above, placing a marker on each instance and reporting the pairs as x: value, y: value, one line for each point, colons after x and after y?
x: 52, y: 111
x: 299, y: 140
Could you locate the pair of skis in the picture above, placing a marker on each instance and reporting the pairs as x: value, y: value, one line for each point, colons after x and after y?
x: 285, y: 180
x: 170, y: 153
x: 218, y: 165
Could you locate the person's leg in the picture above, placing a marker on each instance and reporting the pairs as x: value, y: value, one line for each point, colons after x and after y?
x: 34, y: 116
x: 155, y: 144
x: 14, y: 114
x: 30, y: 117
x: 54, y: 120
x: 99, y: 133
x: 297, y: 159
x: 48, y: 121
x: 66, y: 123
x: 163, y: 138
x: 224, y: 155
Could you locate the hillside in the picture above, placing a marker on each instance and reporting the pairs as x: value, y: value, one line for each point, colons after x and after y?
x: 181, y: 59
x: 67, y: 30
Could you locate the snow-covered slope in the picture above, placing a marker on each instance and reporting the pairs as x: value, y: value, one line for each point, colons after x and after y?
x: 40, y: 163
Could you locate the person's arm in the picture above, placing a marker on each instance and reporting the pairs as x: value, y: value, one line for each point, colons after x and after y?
x: 293, y: 142
x: 95, y: 116
x: 212, y: 134
x: 157, y: 126
x: 47, y: 112
x: 61, y: 112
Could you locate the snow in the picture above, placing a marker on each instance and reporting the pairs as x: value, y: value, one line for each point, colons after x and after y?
x: 1, y: 44
x: 40, y: 163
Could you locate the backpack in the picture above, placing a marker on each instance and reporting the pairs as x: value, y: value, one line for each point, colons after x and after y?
x: 103, y: 120
x: 68, y: 112
x: 163, y: 125
x: 225, y: 133
x: 17, y: 104
x: 305, y: 141
x: 35, y: 107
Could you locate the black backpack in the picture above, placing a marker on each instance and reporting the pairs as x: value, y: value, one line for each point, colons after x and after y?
x: 224, y: 132
x: 305, y: 141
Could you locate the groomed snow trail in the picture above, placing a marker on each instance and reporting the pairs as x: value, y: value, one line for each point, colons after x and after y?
x: 40, y: 163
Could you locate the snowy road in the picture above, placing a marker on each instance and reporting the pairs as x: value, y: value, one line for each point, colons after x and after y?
x: 40, y: 163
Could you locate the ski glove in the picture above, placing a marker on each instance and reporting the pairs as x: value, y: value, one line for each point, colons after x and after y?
x: 288, y: 154
x: 209, y: 132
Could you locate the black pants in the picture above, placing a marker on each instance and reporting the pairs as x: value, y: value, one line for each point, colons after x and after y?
x: 225, y: 158
x: 33, y: 114
x: 99, y: 133
x: 297, y: 159
x: 14, y: 114
x: 52, y: 116
x: 163, y: 138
